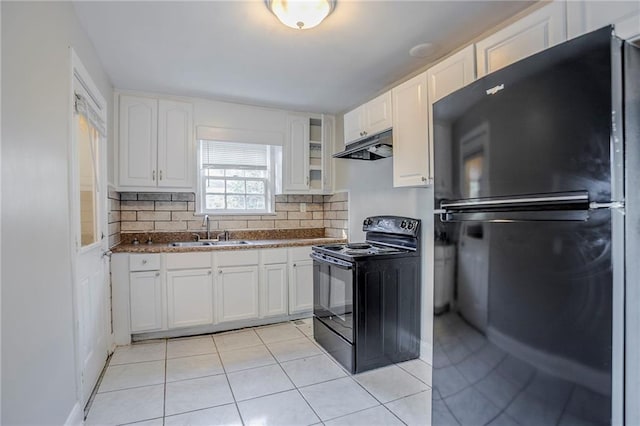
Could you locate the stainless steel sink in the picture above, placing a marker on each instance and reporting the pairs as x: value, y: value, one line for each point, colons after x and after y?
x: 192, y: 243
x: 208, y: 243
x: 230, y: 243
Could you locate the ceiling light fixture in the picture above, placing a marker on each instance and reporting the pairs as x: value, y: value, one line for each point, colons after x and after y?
x: 301, y: 14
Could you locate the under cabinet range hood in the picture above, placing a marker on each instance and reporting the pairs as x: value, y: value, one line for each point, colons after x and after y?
x: 373, y: 148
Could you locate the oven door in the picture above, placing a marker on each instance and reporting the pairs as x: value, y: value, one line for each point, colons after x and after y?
x: 333, y: 294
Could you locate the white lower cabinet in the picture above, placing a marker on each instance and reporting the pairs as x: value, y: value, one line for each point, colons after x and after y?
x: 145, y: 298
x: 189, y: 298
x: 300, y: 280
x: 159, y: 293
x: 237, y: 293
x: 273, y: 295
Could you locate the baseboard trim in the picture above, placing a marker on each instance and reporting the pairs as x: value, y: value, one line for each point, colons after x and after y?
x: 76, y: 416
x: 426, y: 352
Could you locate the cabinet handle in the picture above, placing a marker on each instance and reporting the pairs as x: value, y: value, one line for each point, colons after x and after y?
x: 157, y: 274
x: 424, y: 179
x: 220, y: 271
x: 364, y: 133
x: 307, y: 180
x: 153, y: 176
x: 294, y: 265
x: 160, y: 175
x: 210, y: 272
x: 144, y: 261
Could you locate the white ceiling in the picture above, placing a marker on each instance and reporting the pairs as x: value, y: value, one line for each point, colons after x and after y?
x: 238, y: 51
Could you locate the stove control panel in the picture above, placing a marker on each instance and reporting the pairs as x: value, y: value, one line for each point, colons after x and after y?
x: 392, y: 225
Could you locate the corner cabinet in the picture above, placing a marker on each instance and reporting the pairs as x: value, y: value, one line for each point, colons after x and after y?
x: 410, y: 133
x: 307, y: 154
x: 155, y: 144
x: 535, y: 32
x: 373, y: 117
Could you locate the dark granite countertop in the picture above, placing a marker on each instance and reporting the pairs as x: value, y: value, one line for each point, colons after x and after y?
x: 258, y: 239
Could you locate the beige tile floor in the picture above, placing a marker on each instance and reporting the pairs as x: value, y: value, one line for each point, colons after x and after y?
x: 272, y: 375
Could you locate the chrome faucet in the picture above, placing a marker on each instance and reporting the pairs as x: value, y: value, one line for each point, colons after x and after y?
x: 223, y: 236
x: 205, y: 222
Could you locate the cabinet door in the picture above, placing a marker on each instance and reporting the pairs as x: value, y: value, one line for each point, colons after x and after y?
x: 189, y: 297
x: 175, y: 153
x: 410, y: 133
x: 328, y: 138
x: 444, y: 78
x: 297, y: 153
x: 137, y: 141
x: 354, y: 125
x: 378, y: 114
x: 237, y: 293
x: 535, y: 32
x: 145, y: 298
x: 273, y: 295
x: 301, y: 287
x: 585, y: 16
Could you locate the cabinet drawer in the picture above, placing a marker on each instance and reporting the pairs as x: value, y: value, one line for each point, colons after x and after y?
x: 188, y: 260
x: 272, y: 256
x: 238, y: 257
x: 144, y: 262
x: 299, y: 253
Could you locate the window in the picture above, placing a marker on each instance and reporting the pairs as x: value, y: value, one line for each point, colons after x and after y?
x: 237, y: 177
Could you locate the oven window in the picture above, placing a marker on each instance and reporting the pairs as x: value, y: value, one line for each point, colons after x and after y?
x: 333, y: 293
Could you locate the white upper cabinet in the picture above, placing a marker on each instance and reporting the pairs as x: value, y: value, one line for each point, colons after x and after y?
x: 378, y: 115
x: 138, y: 136
x: 155, y: 147
x: 353, y: 124
x: 585, y: 16
x: 296, y: 160
x: 373, y: 117
x: 535, y: 32
x: 410, y: 133
x: 175, y: 153
x: 307, y: 154
x: 451, y: 74
x: 444, y: 78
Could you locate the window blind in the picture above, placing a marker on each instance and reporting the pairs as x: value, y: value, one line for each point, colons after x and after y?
x: 216, y: 153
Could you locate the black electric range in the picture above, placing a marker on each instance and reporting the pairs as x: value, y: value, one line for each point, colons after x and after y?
x: 367, y: 295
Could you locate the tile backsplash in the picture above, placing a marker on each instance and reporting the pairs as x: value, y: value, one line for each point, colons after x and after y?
x: 170, y: 212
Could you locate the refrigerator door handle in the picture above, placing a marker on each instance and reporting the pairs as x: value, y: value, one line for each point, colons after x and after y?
x: 568, y: 200
x: 615, y: 205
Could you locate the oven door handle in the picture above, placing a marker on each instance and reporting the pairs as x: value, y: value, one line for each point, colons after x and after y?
x: 331, y: 260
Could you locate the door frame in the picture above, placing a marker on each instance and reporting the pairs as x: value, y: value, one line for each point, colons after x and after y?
x: 78, y: 73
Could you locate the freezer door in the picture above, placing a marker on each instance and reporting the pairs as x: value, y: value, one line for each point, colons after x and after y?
x: 542, y: 125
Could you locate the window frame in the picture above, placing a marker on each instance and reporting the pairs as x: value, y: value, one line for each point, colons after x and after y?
x: 271, y: 181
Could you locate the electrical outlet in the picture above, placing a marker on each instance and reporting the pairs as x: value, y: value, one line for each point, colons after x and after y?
x: 303, y: 207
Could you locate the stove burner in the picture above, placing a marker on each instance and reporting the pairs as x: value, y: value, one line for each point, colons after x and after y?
x: 334, y: 247
x: 356, y: 252
x: 358, y: 246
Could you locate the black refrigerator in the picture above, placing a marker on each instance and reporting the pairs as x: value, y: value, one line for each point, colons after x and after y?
x: 530, y: 202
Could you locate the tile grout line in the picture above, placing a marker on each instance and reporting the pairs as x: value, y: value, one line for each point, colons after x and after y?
x: 164, y: 399
x: 293, y: 383
x: 226, y: 376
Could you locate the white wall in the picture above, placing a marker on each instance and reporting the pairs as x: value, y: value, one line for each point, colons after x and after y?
x: 371, y: 193
x: 38, y: 355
